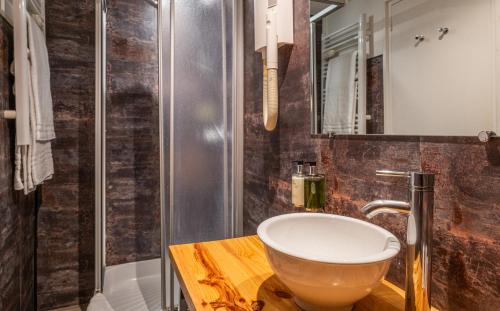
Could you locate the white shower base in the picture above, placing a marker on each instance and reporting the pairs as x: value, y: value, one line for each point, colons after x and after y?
x: 134, y: 286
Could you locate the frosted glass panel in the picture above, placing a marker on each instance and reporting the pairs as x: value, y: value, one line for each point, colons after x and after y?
x: 200, y: 136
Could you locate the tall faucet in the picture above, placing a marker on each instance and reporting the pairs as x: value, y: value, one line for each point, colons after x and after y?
x: 419, y: 210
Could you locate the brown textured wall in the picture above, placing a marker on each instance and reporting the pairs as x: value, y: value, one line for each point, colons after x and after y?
x: 17, y: 212
x: 133, y: 197
x: 66, y: 217
x: 375, y: 95
x: 467, y: 217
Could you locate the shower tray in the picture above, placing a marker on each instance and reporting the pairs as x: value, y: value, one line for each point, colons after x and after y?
x: 134, y: 286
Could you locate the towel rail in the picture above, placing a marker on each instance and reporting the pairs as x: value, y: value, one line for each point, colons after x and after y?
x: 350, y: 37
x: 8, y: 114
x: 20, y: 11
x: 21, y: 69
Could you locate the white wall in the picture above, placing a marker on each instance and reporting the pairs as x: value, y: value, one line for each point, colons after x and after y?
x: 440, y: 87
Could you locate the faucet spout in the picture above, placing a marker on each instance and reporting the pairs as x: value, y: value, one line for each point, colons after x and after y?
x: 420, y: 211
x: 376, y: 207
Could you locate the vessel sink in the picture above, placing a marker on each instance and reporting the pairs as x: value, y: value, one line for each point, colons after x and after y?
x: 327, y: 261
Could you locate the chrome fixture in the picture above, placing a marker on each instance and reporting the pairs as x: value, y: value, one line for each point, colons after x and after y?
x: 419, y: 209
x: 486, y: 136
x: 442, y: 32
x: 100, y: 143
x: 419, y: 38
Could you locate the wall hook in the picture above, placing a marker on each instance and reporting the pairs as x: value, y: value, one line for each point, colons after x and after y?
x: 442, y: 32
x: 7, y: 114
x: 418, y: 39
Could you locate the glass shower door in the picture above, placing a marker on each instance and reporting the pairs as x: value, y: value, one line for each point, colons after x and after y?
x: 197, y: 98
x: 201, y: 125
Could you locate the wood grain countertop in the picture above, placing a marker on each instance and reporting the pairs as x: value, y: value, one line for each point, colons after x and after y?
x: 234, y: 275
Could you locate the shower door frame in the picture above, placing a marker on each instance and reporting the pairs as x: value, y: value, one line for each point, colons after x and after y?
x: 234, y: 218
x: 100, y: 143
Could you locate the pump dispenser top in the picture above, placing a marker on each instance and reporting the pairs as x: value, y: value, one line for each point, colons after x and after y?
x: 314, y: 189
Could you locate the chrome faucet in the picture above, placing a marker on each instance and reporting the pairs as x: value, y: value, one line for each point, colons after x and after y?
x: 419, y: 209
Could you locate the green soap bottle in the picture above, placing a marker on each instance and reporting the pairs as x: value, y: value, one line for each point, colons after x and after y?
x: 314, y: 190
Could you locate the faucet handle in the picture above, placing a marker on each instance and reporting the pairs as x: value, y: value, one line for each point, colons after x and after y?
x: 390, y: 173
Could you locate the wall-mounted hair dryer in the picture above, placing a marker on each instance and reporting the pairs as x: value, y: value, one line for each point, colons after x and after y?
x: 273, y: 28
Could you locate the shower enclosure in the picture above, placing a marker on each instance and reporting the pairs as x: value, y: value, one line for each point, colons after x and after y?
x: 169, y: 122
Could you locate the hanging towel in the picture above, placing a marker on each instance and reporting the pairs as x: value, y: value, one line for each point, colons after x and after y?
x: 340, y: 95
x: 40, y: 77
x: 40, y: 163
x: 20, y: 159
x: 33, y: 162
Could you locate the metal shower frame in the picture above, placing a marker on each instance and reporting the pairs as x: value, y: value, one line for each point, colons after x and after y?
x: 165, y: 15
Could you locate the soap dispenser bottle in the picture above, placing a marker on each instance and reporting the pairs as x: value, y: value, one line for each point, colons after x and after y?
x: 314, y: 190
x: 298, y: 184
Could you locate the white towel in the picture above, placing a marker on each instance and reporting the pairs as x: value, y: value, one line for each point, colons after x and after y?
x: 33, y: 162
x: 40, y: 163
x: 40, y: 77
x: 339, y: 109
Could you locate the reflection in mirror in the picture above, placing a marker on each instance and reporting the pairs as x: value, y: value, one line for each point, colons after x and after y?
x: 404, y: 67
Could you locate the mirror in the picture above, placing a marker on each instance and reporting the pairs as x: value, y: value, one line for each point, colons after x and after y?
x: 405, y: 67
x: 6, y: 10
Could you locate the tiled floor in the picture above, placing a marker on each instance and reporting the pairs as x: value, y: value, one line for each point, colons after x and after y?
x: 72, y: 308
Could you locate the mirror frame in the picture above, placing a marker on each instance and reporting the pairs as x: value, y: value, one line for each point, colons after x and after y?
x: 483, y: 136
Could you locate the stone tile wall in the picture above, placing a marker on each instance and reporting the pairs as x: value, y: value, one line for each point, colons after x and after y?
x: 467, y: 217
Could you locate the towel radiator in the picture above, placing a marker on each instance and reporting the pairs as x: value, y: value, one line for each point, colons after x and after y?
x: 356, y: 37
x: 16, y: 12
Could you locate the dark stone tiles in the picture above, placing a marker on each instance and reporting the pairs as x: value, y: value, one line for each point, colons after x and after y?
x: 467, y: 216
x: 265, y: 166
x: 468, y: 179
x: 466, y: 233
x: 66, y: 219
x: 375, y: 95
x: 17, y: 212
x: 350, y: 165
x: 133, y: 197
x: 66, y: 216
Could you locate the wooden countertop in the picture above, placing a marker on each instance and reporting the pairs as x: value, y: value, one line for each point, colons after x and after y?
x: 234, y: 275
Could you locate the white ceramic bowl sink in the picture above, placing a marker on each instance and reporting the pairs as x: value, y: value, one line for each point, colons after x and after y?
x: 329, y: 262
